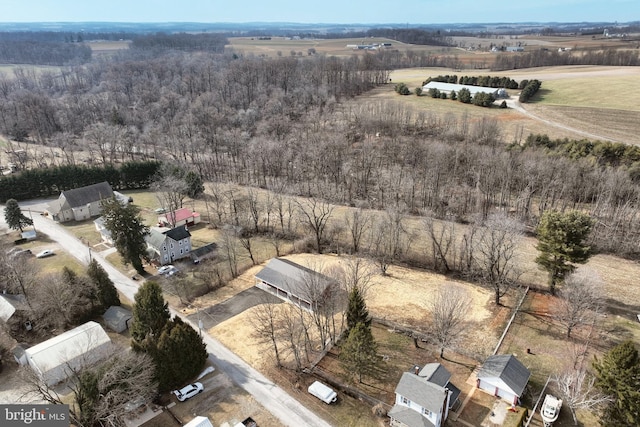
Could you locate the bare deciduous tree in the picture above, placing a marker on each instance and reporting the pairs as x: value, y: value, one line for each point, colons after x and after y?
x: 105, y: 393
x: 495, y: 253
x: 579, y: 300
x: 448, y: 310
x: 266, y: 328
x: 358, y: 222
x: 441, y: 236
x: 315, y: 215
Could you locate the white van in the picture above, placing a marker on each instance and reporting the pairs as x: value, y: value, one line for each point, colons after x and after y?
x: 322, y: 392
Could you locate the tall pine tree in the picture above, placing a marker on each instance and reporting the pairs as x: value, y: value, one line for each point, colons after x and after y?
x: 181, y: 354
x: 106, y: 291
x: 14, y: 217
x: 359, y: 352
x: 127, y: 230
x: 561, y: 242
x: 357, y: 311
x: 618, y: 375
x: 150, y: 315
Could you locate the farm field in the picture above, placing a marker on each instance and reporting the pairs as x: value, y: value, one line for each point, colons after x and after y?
x: 564, y: 108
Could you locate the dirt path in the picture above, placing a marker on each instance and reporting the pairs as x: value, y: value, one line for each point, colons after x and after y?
x: 513, y: 102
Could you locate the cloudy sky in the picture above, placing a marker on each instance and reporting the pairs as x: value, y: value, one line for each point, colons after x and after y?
x: 326, y: 11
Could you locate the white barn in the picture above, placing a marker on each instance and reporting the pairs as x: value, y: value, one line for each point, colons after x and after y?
x: 449, y: 87
x: 52, y: 359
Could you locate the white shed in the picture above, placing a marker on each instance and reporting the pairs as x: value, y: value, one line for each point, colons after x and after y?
x: 199, y: 422
x: 503, y: 376
x: 52, y: 359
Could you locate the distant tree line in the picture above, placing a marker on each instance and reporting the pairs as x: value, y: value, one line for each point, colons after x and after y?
x: 43, y: 53
x: 549, y: 58
x: 62, y: 36
x: 47, y: 182
x: 206, y: 42
x: 486, y: 81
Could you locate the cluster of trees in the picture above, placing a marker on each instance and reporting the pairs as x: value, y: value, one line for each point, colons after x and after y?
x: 35, y: 183
x: 58, y: 301
x: 176, y: 349
x: 402, y: 89
x: 43, y: 53
x: 531, y: 87
x: 486, y: 81
x: 604, y: 153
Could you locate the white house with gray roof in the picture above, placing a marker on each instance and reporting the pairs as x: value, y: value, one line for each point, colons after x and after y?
x: 82, y: 203
x: 503, y: 376
x: 169, y: 246
x: 424, y: 397
x: 294, y: 283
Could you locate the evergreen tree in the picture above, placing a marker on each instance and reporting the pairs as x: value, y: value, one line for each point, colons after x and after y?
x: 359, y: 353
x: 150, y: 315
x: 194, y: 184
x: 106, y: 291
x: 14, y: 217
x: 127, y: 230
x: 561, y: 242
x: 464, y: 95
x: 618, y: 375
x: 181, y: 354
x: 357, y: 311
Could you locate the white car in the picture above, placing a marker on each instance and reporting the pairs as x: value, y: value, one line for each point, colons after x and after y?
x: 44, y: 254
x: 165, y: 269
x: 188, y: 391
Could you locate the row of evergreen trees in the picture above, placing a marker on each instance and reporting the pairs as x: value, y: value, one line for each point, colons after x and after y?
x: 485, y: 81
x: 36, y: 183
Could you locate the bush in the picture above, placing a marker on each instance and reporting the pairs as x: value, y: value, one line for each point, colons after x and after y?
x: 402, y: 89
x: 418, y: 91
x: 503, y: 104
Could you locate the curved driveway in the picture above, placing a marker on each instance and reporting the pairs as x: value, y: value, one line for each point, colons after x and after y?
x: 288, y: 410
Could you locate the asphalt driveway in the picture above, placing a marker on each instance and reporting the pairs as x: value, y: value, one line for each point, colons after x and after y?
x: 212, y: 316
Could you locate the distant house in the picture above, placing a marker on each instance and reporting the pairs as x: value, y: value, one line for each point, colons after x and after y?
x: 424, y: 397
x: 168, y: 246
x: 52, y: 360
x: 82, y: 203
x: 515, y: 49
x: 503, y: 376
x: 180, y: 217
x: 117, y: 318
x: 294, y: 283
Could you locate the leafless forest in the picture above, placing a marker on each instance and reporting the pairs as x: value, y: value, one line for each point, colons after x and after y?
x: 295, y: 125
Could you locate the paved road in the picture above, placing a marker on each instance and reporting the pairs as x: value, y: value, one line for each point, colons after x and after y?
x: 288, y: 410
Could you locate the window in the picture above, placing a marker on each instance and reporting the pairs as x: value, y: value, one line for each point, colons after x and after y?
x: 404, y: 400
x: 171, y: 245
x: 180, y: 242
x: 180, y: 251
x: 164, y: 248
x: 426, y: 412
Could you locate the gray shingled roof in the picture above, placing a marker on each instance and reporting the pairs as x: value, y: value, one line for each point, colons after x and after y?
x: 421, y: 391
x: 178, y: 233
x: 508, y: 369
x: 155, y: 239
x: 435, y: 373
x: 409, y: 417
x: 89, y: 194
x: 294, y: 278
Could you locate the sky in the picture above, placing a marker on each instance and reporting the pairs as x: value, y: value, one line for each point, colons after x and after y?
x: 325, y: 11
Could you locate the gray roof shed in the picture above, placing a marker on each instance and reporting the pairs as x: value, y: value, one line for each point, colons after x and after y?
x: 508, y: 369
x: 117, y: 318
x: 295, y: 279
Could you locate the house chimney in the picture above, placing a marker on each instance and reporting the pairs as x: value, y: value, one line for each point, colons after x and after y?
x: 416, y: 369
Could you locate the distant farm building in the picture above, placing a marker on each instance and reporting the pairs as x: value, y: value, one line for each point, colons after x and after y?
x: 449, y: 87
x: 82, y: 203
x: 515, y: 49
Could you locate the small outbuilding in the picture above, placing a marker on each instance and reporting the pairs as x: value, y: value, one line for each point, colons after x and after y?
x: 503, y: 376
x: 199, y: 421
x: 53, y: 359
x: 117, y: 318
